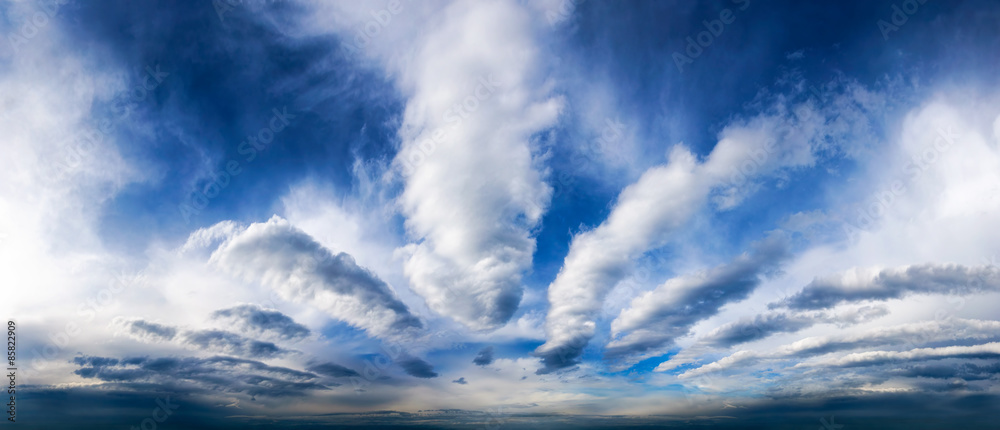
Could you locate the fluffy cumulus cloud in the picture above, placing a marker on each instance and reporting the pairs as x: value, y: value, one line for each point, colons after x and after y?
x: 474, y: 187
x: 499, y: 212
x: 286, y: 259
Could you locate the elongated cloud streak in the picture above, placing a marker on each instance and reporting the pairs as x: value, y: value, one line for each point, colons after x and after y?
x: 288, y: 260
x: 655, y: 319
x: 860, y: 284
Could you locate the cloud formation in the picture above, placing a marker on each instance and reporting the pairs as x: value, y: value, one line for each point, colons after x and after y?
x: 474, y: 188
x: 657, y: 318
x: 414, y: 366
x: 219, y: 374
x: 879, y: 285
x: 256, y: 320
x: 332, y: 370
x: 284, y: 258
x: 484, y: 357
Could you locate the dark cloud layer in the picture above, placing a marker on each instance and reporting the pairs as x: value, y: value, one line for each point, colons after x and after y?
x: 231, y: 343
x: 414, y: 366
x: 895, y: 283
x: 257, y: 320
x: 190, y: 374
x: 332, y: 370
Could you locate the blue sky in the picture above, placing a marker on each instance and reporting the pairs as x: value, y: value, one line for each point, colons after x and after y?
x: 677, y: 210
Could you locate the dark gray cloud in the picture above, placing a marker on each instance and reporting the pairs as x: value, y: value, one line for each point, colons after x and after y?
x: 414, y: 366
x: 875, y: 358
x: 759, y: 327
x: 460, y: 381
x: 894, y: 283
x: 332, y: 370
x: 291, y: 262
x: 231, y: 343
x: 484, y: 357
x: 765, y: 325
x: 966, y: 371
x: 149, y: 330
x: 259, y: 321
x: 191, y: 374
x: 656, y: 318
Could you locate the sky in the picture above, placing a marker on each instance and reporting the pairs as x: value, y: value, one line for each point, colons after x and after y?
x: 501, y: 213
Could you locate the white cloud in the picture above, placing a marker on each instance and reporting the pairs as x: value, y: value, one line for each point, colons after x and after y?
x: 284, y: 258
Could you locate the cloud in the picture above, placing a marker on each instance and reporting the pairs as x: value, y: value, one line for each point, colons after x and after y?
x: 460, y: 381
x: 874, y: 358
x: 221, y: 374
x: 284, y: 258
x: 965, y: 371
x: 657, y: 318
x: 764, y: 325
x: 148, y: 331
x: 332, y: 370
x: 231, y: 343
x: 484, y: 357
x: 259, y: 321
x: 210, y: 339
x: 909, y: 334
x: 873, y: 284
x: 474, y: 185
x: 414, y: 366
x: 759, y: 327
x: 782, y: 136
